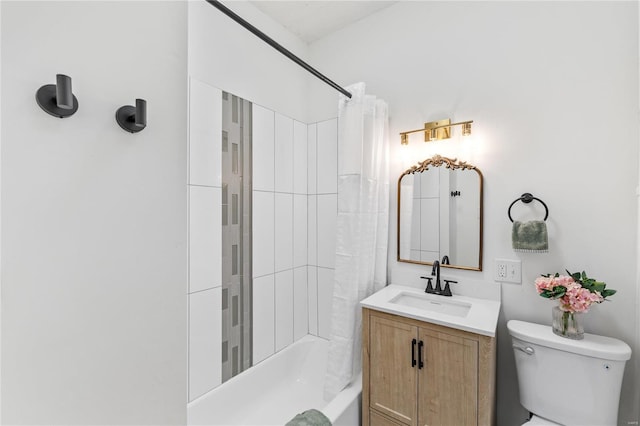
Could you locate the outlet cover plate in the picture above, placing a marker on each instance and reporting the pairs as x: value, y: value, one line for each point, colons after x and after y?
x: 508, y: 271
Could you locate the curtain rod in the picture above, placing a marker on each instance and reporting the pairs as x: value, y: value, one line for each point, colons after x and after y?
x: 217, y: 4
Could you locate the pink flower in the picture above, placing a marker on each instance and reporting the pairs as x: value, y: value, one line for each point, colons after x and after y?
x: 544, y: 283
x: 578, y: 299
x: 550, y: 282
x: 565, y: 280
x: 578, y: 293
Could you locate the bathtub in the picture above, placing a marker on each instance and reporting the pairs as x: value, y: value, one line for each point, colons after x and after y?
x: 276, y: 389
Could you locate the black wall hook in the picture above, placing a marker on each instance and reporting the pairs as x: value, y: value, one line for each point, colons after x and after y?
x: 58, y: 99
x: 527, y: 198
x: 133, y: 118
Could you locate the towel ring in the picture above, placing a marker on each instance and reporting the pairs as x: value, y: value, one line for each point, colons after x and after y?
x: 527, y: 198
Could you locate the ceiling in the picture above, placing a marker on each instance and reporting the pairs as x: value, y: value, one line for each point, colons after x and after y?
x: 312, y: 20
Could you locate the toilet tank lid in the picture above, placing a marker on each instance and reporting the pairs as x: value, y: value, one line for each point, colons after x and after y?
x: 592, y: 345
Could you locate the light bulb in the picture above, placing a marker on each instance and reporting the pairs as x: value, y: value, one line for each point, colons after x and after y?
x: 466, y: 129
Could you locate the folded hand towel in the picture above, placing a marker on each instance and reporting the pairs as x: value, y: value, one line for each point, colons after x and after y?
x: 530, y: 237
x: 311, y: 417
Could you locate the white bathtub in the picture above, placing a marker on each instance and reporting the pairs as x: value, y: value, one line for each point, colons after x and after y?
x: 275, y: 390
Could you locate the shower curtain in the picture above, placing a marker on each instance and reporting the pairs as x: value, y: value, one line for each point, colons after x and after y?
x: 362, y: 228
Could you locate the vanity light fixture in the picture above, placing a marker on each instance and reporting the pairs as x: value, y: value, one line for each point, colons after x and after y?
x: 437, y: 130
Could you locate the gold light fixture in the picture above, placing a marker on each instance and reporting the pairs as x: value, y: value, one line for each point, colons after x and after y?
x: 437, y: 130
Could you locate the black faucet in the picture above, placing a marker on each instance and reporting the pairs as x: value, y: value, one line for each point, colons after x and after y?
x: 445, y: 260
x: 436, y: 271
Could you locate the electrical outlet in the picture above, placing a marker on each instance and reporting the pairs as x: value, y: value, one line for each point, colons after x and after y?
x: 508, y: 271
x: 501, y: 270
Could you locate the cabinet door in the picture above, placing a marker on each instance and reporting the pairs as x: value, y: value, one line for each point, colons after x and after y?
x: 392, y: 377
x: 377, y: 419
x: 448, y: 382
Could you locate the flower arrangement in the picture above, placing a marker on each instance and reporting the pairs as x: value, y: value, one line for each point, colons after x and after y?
x: 576, y: 292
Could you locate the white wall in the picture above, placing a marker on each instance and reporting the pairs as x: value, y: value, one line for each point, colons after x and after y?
x: 94, y: 219
x: 0, y: 214
x: 636, y: 396
x: 553, y: 90
x: 226, y: 55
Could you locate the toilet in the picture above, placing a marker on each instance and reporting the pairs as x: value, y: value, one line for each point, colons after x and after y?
x: 568, y: 382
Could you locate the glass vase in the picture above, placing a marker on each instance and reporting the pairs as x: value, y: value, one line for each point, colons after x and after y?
x: 567, y: 324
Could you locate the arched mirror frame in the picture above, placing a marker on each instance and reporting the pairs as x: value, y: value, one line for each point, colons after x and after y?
x: 452, y: 164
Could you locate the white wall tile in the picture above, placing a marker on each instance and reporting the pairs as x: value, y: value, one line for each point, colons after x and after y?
x: 205, y: 134
x: 283, y: 231
x: 312, y: 230
x: 263, y: 233
x: 205, y: 341
x: 325, y: 297
x: 283, y: 153
x: 205, y: 238
x: 428, y: 256
x: 327, y: 215
x: 416, y: 215
x: 430, y: 183
x: 300, y: 303
x: 263, y: 148
x: 327, y: 151
x: 299, y: 230
x: 312, y: 160
x: 299, y: 158
x: 416, y: 255
x: 312, y: 295
x: 284, y: 309
x: 417, y: 187
x: 263, y: 318
x: 430, y: 224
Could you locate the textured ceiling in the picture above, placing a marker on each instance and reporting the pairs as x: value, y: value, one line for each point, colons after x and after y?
x: 312, y: 20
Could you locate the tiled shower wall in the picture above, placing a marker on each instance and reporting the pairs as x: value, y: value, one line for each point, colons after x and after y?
x: 322, y: 213
x: 294, y: 216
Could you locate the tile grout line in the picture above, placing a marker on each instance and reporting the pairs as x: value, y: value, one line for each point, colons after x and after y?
x: 189, y: 88
x: 293, y: 219
x: 274, y: 237
x: 317, y: 239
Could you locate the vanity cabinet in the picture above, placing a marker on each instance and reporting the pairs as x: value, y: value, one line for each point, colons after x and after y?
x: 418, y: 373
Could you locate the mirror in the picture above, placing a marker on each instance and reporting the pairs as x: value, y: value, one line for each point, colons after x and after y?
x: 440, y: 214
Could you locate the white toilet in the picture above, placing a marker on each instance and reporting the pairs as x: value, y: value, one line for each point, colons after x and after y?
x: 559, y: 377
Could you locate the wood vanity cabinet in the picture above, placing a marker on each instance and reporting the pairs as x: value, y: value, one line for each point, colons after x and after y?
x: 417, y: 373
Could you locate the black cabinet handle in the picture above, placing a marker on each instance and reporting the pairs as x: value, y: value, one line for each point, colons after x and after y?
x: 420, y: 363
x: 413, y: 353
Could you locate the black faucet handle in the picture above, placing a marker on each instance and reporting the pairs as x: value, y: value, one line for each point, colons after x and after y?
x: 429, y: 288
x: 447, y: 289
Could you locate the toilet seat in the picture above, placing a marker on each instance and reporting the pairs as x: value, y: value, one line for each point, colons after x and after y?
x: 535, y: 421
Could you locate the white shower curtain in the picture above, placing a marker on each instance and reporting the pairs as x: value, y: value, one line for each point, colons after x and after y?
x: 362, y: 228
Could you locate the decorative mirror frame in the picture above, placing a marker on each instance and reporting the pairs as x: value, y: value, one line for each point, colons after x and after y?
x: 453, y: 164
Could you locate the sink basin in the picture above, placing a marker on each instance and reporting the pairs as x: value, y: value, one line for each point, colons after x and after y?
x: 473, y: 314
x: 430, y: 303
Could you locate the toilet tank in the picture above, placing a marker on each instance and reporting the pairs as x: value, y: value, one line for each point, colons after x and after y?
x: 571, y: 382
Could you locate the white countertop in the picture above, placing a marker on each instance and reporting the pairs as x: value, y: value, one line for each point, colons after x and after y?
x: 482, y: 317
